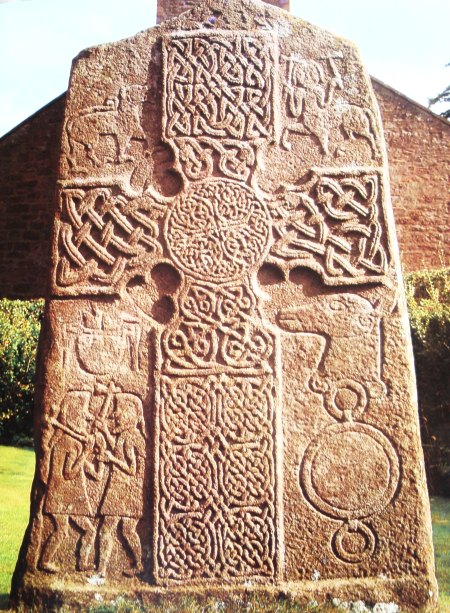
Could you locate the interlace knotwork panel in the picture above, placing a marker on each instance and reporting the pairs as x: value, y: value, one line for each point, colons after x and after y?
x: 217, y: 334
x: 216, y: 478
x: 217, y: 397
x: 218, y: 100
x: 334, y: 224
x: 219, y: 85
x: 103, y: 235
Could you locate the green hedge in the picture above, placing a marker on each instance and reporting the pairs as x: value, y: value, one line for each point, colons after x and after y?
x: 20, y: 322
x: 428, y: 295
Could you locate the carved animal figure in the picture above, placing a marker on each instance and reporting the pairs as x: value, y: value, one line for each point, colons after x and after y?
x: 310, y: 97
x: 117, y: 117
x: 350, y: 326
x: 355, y: 121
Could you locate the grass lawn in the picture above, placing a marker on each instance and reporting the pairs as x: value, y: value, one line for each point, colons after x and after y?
x: 16, y: 473
x: 440, y: 509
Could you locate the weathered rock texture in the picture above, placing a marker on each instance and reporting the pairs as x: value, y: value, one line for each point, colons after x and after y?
x: 226, y: 398
x: 167, y: 9
x: 418, y: 147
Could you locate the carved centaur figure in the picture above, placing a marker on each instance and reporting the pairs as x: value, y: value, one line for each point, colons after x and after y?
x: 312, y: 103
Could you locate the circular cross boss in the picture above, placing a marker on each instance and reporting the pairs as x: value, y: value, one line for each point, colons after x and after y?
x: 218, y: 230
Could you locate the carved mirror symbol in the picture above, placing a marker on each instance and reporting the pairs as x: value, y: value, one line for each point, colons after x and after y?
x: 351, y: 470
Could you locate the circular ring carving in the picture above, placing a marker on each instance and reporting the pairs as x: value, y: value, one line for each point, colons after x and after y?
x: 218, y: 230
x: 354, y: 542
x: 350, y: 471
x: 346, y: 399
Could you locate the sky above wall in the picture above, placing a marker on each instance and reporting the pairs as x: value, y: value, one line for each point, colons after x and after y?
x: 404, y: 43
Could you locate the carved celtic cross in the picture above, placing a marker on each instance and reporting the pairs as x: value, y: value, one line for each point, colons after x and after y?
x: 225, y: 388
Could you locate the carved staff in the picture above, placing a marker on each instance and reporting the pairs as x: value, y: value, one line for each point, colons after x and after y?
x: 109, y: 391
x: 79, y: 437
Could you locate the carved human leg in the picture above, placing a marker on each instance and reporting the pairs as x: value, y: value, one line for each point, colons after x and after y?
x: 87, y: 542
x: 129, y: 531
x: 53, y: 543
x: 108, y: 533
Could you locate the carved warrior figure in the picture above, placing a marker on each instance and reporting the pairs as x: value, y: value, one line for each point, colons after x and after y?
x: 70, y: 465
x: 109, y: 448
x: 225, y: 386
x: 123, y: 501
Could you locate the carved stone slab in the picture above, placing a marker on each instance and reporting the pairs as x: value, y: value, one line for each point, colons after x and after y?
x: 226, y: 399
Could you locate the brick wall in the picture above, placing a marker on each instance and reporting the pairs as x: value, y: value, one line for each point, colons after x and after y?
x: 170, y: 8
x: 418, y: 144
x: 28, y: 171
x: 419, y: 154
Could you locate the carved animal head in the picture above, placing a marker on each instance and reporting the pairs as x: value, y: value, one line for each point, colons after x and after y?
x: 351, y: 315
x: 342, y: 316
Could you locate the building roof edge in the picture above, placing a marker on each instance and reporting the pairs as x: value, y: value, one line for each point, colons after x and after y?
x: 30, y: 117
x: 411, y: 101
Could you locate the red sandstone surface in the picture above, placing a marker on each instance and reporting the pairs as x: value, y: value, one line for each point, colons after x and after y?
x: 225, y: 396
